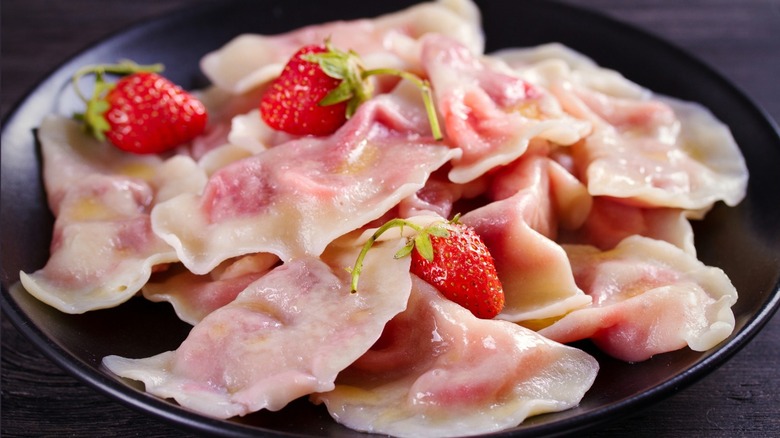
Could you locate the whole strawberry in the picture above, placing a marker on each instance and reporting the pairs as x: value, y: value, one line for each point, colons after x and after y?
x: 321, y: 87
x: 142, y: 112
x: 292, y: 102
x: 452, y: 257
x: 463, y: 270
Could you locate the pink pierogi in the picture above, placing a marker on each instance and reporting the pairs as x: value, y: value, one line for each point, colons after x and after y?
x: 649, y: 297
x: 440, y: 371
x: 286, y: 335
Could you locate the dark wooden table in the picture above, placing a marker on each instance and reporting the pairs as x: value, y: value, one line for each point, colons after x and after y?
x: 741, y: 39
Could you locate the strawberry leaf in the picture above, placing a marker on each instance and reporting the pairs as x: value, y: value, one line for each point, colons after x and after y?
x: 352, y: 106
x: 424, y: 245
x: 346, y: 66
x: 341, y: 93
x: 438, y: 231
x: 96, y: 124
x: 405, y: 251
x: 335, y: 66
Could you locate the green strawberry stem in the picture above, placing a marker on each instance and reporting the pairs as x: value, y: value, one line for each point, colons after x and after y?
x: 95, y: 122
x: 424, y: 85
x: 123, y: 68
x: 421, y: 241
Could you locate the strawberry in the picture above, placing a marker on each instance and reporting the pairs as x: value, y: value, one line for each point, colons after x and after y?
x: 321, y: 87
x: 452, y: 257
x: 291, y: 103
x: 143, y: 112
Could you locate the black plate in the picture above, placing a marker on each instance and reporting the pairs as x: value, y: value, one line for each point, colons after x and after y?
x: 744, y: 241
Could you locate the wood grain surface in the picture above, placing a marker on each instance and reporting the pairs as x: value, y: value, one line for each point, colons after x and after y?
x: 740, y: 39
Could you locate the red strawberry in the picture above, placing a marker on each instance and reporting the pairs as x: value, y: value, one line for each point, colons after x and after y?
x: 452, y: 257
x: 143, y: 112
x: 463, y: 270
x: 321, y: 87
x: 292, y: 101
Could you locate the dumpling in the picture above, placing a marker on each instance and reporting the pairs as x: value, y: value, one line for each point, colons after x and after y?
x: 195, y: 296
x: 519, y: 231
x: 288, y: 334
x: 645, y: 149
x: 103, y: 249
x: 388, y: 41
x: 488, y: 111
x: 439, y: 371
x: 689, y: 162
x: 294, y: 199
x: 649, y: 297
